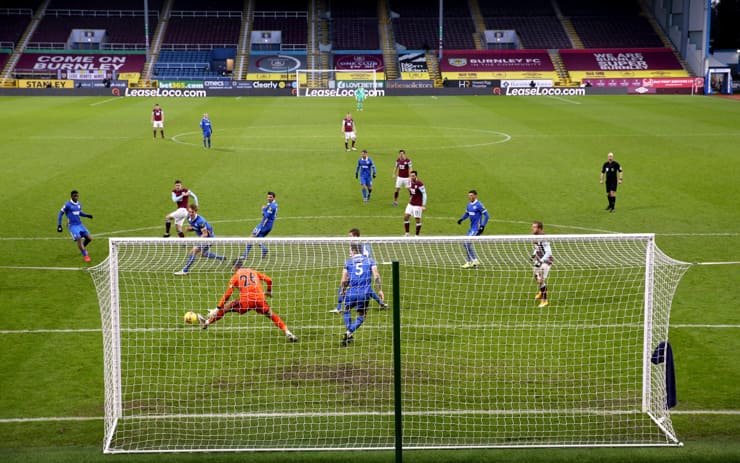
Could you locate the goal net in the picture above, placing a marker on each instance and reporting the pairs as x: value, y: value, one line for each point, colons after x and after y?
x: 481, y: 364
x: 335, y: 82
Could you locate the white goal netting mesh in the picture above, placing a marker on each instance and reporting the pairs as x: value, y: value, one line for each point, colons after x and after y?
x: 481, y: 364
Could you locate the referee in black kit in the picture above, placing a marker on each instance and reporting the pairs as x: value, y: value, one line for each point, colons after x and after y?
x: 612, y: 171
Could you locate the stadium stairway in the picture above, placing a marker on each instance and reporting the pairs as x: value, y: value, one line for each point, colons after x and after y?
x: 385, y: 28
x: 433, y: 65
x: 155, y: 46
x: 480, y: 24
x: 7, y: 80
x: 563, y: 73
x: 571, y: 31
x: 242, y: 48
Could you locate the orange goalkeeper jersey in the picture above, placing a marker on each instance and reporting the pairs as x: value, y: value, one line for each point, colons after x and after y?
x: 249, y: 284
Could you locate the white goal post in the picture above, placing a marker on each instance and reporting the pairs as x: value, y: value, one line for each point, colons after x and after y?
x: 481, y: 364
x: 336, y: 82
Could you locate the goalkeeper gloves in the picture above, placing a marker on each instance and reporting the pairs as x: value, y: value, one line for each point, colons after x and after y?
x: 59, y: 228
x: 459, y: 221
x: 480, y: 230
x: 89, y: 216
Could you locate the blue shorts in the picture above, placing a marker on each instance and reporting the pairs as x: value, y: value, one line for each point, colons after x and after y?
x: 260, y: 232
x: 78, y: 231
x: 366, y: 181
x: 472, y: 232
x: 206, y: 134
x: 357, y: 297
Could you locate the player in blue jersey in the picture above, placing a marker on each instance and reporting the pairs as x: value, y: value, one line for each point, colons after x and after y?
x: 203, y: 229
x: 365, y: 249
x: 478, y: 215
x: 366, y: 172
x: 207, y: 129
x: 358, y: 276
x: 73, y: 210
x: 269, y: 214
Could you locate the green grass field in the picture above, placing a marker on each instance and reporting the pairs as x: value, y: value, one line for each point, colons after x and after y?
x: 529, y: 159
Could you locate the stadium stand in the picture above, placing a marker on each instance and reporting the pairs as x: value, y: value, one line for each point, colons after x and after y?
x: 210, y: 5
x: 154, y: 5
x: 535, y: 22
x: 598, y: 8
x: 281, y: 5
x: 202, y: 31
x: 417, y: 26
x: 354, y: 26
x: 355, y: 34
x: 496, y: 8
x: 533, y: 31
x: 610, y: 24
x: 4, y: 59
x: 12, y: 25
x: 121, y: 28
x: 294, y: 29
x: 187, y: 64
x: 615, y: 32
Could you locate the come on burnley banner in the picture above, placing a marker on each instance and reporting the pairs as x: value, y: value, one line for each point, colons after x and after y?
x: 63, y: 63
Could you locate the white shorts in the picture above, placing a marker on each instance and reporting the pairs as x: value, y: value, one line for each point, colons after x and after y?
x: 414, y: 211
x: 158, y: 124
x: 348, y: 135
x: 179, y: 215
x: 403, y: 182
x: 542, y: 271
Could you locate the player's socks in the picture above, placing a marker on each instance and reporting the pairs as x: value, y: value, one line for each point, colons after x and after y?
x: 543, y: 290
x: 264, y: 250
x: 167, y: 227
x: 278, y: 321
x: 347, y: 318
x: 614, y: 201
x: 356, y: 324
x: 369, y: 192
x: 86, y: 242
x: 418, y: 229
x: 191, y: 259
x: 406, y: 227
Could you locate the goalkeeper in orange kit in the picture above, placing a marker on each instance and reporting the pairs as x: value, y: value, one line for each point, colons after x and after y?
x: 251, y: 297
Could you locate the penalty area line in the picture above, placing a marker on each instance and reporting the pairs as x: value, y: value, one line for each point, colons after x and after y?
x: 732, y: 262
x: 19, y: 267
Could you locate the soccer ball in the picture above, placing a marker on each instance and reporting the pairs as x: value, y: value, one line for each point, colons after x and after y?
x: 190, y: 317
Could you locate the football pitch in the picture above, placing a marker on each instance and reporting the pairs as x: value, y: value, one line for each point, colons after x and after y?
x: 528, y: 158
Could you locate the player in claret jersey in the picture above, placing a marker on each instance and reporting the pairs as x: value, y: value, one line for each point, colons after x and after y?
x: 73, y: 210
x: 401, y: 172
x: 349, y: 132
x: 417, y: 203
x: 158, y: 120
x: 181, y: 197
